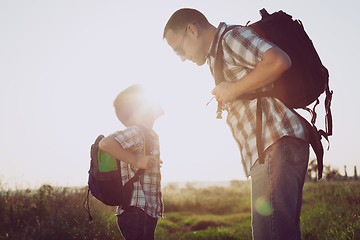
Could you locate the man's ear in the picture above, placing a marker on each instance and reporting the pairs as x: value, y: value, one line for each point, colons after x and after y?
x: 193, y: 30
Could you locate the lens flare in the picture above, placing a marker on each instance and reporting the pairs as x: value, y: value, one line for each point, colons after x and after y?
x: 262, y: 206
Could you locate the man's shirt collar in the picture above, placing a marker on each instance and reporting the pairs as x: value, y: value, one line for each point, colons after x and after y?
x: 214, y: 44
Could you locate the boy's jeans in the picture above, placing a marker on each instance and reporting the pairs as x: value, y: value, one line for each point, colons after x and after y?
x: 135, y: 224
x: 276, y: 190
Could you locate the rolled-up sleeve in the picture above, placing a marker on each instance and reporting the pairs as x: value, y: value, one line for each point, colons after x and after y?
x: 131, y: 137
x: 245, y: 47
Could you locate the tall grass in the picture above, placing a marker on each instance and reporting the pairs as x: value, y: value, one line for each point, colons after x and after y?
x: 53, y: 213
x: 331, y: 210
x: 215, y: 200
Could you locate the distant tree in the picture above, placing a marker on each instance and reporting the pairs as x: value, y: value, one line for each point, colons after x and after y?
x: 355, y: 174
x: 312, y: 170
x: 331, y: 174
x: 345, y: 173
x: 328, y: 172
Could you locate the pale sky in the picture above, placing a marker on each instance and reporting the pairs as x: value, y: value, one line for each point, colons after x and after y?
x: 63, y: 62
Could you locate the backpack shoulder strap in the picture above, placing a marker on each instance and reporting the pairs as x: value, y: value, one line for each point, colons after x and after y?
x: 95, y: 147
x: 219, y: 58
x: 219, y: 66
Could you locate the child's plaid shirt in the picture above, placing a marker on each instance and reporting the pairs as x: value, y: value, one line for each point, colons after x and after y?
x: 147, y: 191
x: 243, y: 50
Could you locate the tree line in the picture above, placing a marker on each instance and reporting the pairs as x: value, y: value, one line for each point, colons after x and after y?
x: 329, y: 173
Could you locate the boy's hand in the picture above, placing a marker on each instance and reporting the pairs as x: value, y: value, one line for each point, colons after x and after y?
x: 144, y: 162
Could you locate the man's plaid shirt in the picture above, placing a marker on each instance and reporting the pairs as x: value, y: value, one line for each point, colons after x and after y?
x: 243, y: 49
x: 147, y: 191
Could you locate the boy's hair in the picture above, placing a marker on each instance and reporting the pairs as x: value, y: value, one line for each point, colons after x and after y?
x: 182, y: 17
x: 128, y: 102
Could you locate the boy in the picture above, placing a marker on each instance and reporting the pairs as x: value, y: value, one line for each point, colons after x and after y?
x: 134, y: 111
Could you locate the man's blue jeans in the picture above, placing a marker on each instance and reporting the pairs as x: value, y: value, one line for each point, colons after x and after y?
x: 276, y: 190
x: 135, y: 224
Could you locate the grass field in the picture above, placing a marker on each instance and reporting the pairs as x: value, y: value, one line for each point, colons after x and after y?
x: 331, y: 210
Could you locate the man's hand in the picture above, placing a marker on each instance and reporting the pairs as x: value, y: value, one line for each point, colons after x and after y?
x: 225, y: 92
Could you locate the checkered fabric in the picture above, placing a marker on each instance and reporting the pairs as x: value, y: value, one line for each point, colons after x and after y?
x: 147, y: 191
x: 243, y: 50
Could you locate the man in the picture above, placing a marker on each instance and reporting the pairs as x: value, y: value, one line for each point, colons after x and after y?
x: 252, y: 64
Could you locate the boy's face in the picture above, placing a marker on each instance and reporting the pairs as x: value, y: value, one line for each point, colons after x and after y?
x: 149, y: 112
x: 157, y: 112
x: 146, y: 114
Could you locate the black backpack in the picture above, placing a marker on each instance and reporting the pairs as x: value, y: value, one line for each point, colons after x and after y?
x: 105, y: 181
x: 300, y: 85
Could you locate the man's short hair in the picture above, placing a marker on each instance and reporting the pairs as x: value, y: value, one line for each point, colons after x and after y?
x: 182, y: 17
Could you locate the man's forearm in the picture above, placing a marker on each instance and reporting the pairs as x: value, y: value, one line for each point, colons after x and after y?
x: 274, y: 63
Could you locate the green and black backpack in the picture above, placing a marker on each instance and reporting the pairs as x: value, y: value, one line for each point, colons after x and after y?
x: 105, y: 181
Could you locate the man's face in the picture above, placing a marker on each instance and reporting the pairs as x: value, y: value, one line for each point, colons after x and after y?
x: 187, y: 44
